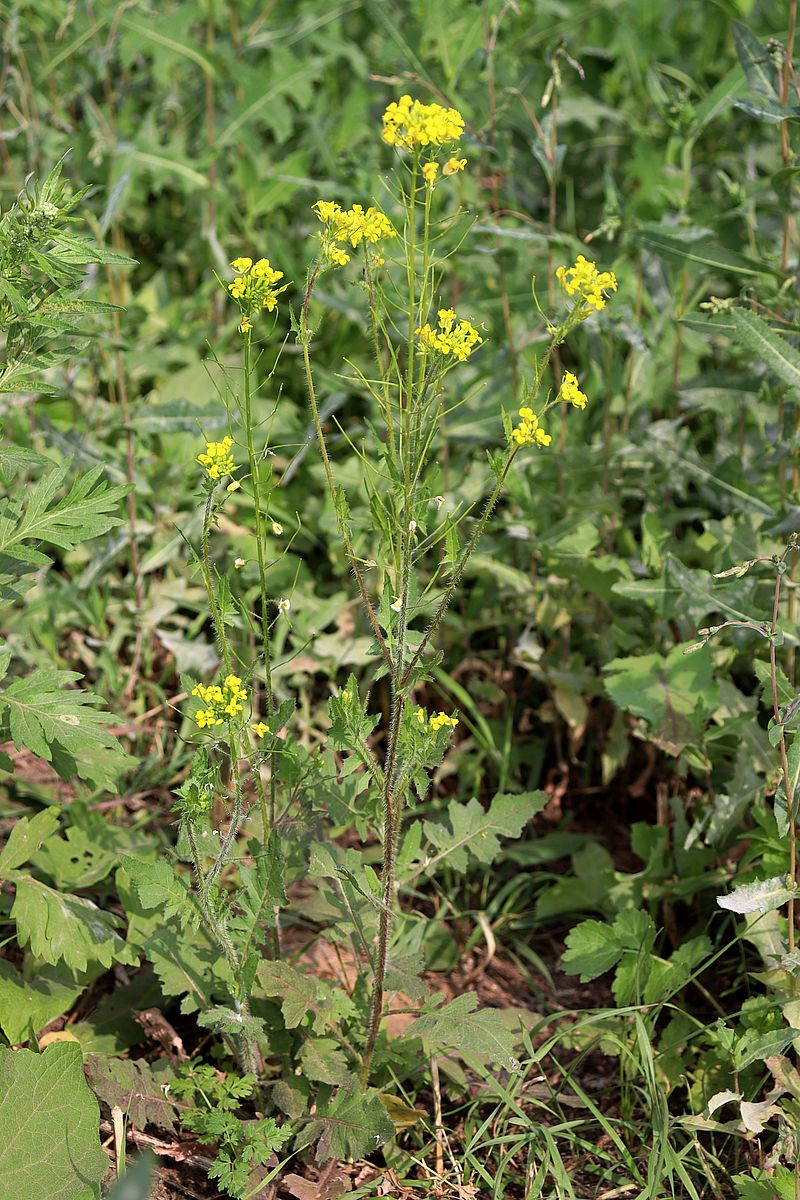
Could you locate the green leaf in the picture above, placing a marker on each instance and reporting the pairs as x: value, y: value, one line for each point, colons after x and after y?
x: 26, y: 1005
x: 26, y: 837
x: 261, y: 892
x: 181, y: 969
x: 673, y: 693
x: 61, y: 927
x: 63, y: 727
x: 592, y: 949
x: 760, y: 897
x: 702, y: 253
x: 139, y: 1088
x: 89, y: 509
x: 324, y: 1060
x: 755, y: 61
x: 755, y: 1046
x: 473, y: 832
x: 461, y: 1026
x: 772, y: 349
x: 158, y: 886
x: 352, y: 1124
x: 49, y: 1123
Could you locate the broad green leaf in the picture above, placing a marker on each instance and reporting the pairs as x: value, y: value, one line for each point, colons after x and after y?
x: 60, y: 927
x: 26, y: 1005
x: 323, y: 1060
x: 26, y: 837
x: 755, y: 1046
x: 137, y: 1087
x: 63, y: 726
x: 352, y: 1124
x: 673, y: 694
x: 760, y: 897
x: 461, y: 1026
x: 159, y: 886
x: 49, y: 1126
x: 473, y: 832
x: 181, y: 968
x: 261, y: 892
x: 592, y: 949
x: 772, y: 349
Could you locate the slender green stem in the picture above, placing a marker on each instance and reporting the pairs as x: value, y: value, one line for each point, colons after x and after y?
x: 209, y: 583
x: 268, y: 820
x: 379, y: 359
x: 342, y: 524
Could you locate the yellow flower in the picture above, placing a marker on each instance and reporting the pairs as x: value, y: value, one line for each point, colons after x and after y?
x: 239, y: 563
x: 419, y: 713
x: 396, y: 604
x: 217, y: 459
x: 590, y: 286
x: 223, y: 702
x: 338, y: 257
x: 255, y: 288
x: 453, y: 165
x: 233, y: 486
x: 442, y: 721
x: 570, y: 392
x: 453, y: 338
x: 529, y: 432
x: 260, y: 729
x: 430, y: 171
x: 352, y: 225
x: 277, y: 528
x: 409, y: 124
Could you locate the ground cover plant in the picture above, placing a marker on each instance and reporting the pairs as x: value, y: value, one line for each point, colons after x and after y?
x: 399, y: 567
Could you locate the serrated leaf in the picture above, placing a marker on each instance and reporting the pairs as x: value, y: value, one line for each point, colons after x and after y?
x: 26, y: 1005
x: 461, y: 1026
x: 592, y: 949
x: 352, y: 1124
x: 754, y: 1046
x: 323, y: 1060
x: 139, y: 1088
x: 773, y: 350
x: 90, y: 508
x: 63, y: 726
x: 159, y: 886
x: 26, y: 837
x: 60, y: 927
x: 229, y: 1021
x: 473, y: 831
x: 760, y: 897
x: 49, y: 1123
x: 181, y: 969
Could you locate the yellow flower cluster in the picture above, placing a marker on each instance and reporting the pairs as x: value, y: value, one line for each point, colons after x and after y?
x: 217, y: 459
x: 431, y: 169
x: 570, y: 392
x: 453, y: 337
x: 438, y: 721
x: 254, y: 288
x: 409, y: 124
x: 590, y: 285
x: 260, y: 728
x: 529, y: 432
x: 352, y: 225
x: 225, y: 701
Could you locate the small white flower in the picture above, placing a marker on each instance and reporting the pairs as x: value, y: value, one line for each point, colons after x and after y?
x: 369, y: 563
x: 396, y: 604
x: 277, y: 528
x: 239, y: 563
x: 437, y: 500
x: 412, y: 526
x: 284, y: 605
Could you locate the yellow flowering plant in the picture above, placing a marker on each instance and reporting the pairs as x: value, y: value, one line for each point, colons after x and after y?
x: 252, y: 809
